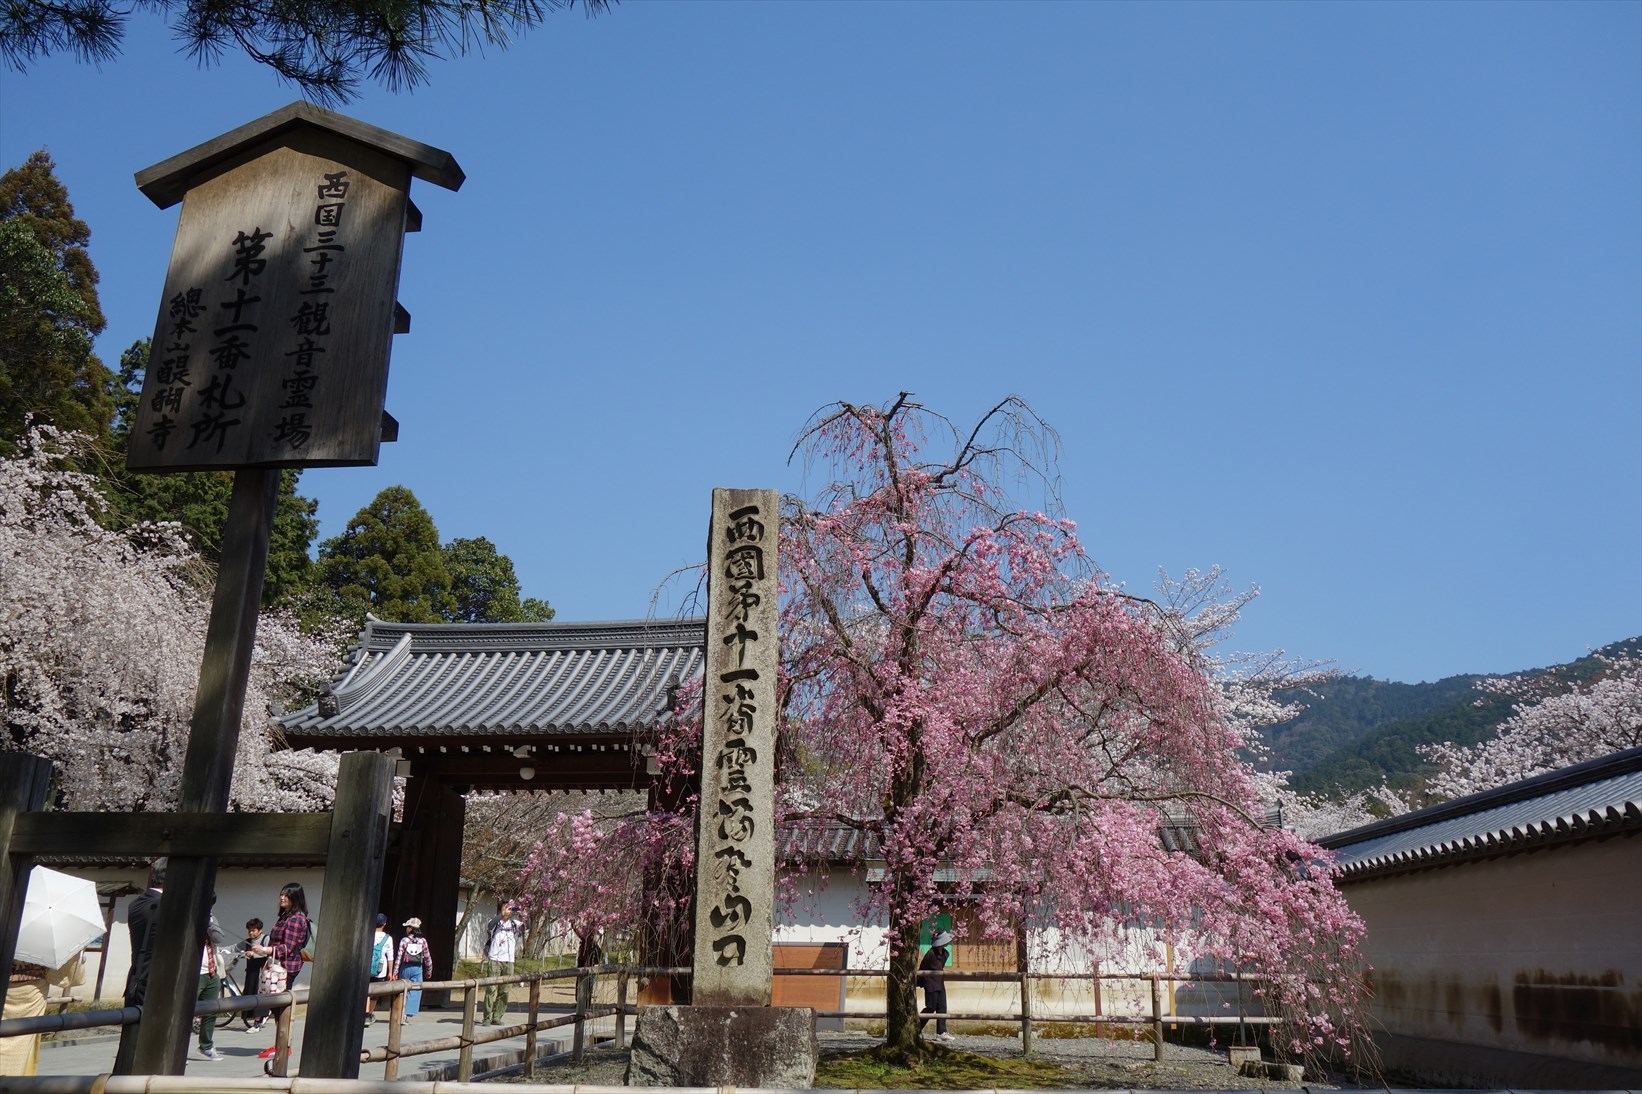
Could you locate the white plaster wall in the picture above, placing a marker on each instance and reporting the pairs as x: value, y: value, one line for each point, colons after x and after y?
x: 829, y: 916
x: 1538, y: 953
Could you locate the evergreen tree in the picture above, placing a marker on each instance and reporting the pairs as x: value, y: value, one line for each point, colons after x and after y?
x: 486, y: 588
x: 321, y: 46
x: 49, y: 311
x: 388, y: 562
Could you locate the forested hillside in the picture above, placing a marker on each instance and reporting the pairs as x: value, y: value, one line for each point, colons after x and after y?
x: 1356, y: 732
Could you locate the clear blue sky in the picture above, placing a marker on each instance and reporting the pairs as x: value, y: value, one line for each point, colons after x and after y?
x: 1345, y: 297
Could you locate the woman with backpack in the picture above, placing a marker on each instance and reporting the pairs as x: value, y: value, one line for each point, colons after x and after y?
x: 413, y: 962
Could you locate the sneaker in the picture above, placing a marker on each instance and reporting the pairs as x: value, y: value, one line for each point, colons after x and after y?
x: 370, y: 1019
x: 267, y: 1053
x: 210, y: 1054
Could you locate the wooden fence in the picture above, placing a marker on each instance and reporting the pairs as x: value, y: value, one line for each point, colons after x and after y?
x: 472, y: 1035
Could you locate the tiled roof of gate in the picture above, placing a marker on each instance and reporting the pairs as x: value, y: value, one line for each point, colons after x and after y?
x: 444, y: 679
x: 1601, y: 797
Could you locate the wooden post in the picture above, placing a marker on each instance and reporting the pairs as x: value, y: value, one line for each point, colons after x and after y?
x: 1026, y: 1015
x: 530, y: 1028
x: 25, y: 781
x: 470, y: 1008
x: 282, y: 1039
x: 353, y: 875
x: 208, y: 771
x: 1022, y: 963
x: 396, y: 1023
x: 1157, y: 1019
x: 578, y: 1039
x: 621, y: 1009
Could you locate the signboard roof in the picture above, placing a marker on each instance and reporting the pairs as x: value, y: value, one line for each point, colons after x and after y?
x: 165, y: 183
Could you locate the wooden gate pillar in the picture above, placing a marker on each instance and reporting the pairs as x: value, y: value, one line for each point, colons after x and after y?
x: 353, y: 878
x: 25, y: 783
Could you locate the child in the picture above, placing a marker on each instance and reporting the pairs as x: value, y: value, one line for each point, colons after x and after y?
x: 254, y: 961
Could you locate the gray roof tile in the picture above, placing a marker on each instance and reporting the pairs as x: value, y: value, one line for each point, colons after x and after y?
x: 501, y: 679
x: 1598, y: 798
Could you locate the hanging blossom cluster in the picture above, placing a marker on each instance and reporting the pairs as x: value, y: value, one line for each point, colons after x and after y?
x: 1547, y: 731
x: 630, y: 875
x: 101, y: 638
x: 965, y: 686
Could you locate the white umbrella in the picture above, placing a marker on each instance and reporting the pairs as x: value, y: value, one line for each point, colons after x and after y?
x: 60, y: 917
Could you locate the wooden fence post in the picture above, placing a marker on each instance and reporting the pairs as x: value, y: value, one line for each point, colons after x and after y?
x: 1023, y: 963
x: 25, y: 782
x: 396, y: 1023
x: 1157, y: 1019
x: 578, y: 1039
x: 353, y: 884
x: 282, y: 1039
x: 621, y: 1008
x: 530, y: 1028
x: 464, y: 1057
x: 1026, y: 1015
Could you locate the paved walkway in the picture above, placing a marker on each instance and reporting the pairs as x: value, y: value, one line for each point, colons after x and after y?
x: 91, y: 1052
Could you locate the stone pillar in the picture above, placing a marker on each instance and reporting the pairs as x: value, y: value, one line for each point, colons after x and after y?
x: 735, y: 840
x: 730, y: 1035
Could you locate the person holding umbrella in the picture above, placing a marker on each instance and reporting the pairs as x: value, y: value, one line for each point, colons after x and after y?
x: 61, y: 916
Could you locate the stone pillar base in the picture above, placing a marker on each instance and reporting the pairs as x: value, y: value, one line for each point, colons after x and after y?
x: 724, y: 1046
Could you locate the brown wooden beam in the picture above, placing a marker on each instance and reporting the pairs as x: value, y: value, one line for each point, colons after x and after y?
x: 242, y: 837
x: 613, y: 770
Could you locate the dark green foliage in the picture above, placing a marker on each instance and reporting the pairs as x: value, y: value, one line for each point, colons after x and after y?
x: 1340, y: 713
x: 1357, y: 732
x: 324, y: 47
x: 49, y: 312
x: 1389, y: 752
x: 388, y: 562
x: 198, y: 500
x: 485, y: 587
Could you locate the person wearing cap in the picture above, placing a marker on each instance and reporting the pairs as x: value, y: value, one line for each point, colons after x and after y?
x: 381, y: 963
x: 413, y: 962
x: 929, y: 974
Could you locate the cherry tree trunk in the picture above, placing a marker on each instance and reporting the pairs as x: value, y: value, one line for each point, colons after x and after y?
x: 901, y: 989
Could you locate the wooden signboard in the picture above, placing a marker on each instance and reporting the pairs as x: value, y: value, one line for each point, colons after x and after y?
x: 274, y: 329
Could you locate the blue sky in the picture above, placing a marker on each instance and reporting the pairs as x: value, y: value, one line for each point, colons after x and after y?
x: 1346, y: 298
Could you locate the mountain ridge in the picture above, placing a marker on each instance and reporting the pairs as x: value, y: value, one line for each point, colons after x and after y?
x: 1355, y: 731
